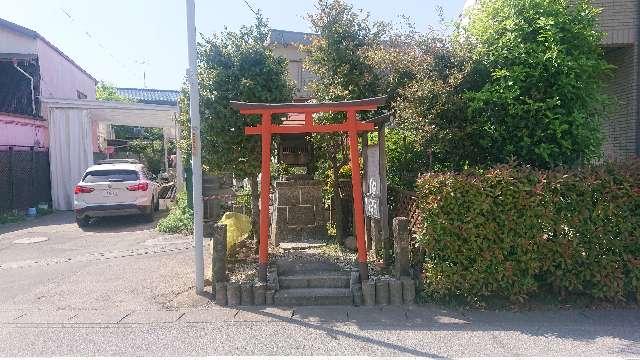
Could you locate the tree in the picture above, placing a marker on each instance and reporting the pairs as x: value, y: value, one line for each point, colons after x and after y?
x: 338, y: 59
x: 543, y: 102
x: 428, y: 76
x: 237, y: 66
x: 108, y: 92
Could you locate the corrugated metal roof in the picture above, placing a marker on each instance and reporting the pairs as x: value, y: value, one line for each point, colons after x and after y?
x: 285, y: 37
x: 151, y: 96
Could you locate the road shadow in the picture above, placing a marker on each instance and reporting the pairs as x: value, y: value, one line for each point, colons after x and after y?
x: 577, y: 325
x: 119, y: 224
x: 334, y: 333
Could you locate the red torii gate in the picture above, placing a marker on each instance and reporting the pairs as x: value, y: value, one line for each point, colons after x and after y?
x: 352, y: 126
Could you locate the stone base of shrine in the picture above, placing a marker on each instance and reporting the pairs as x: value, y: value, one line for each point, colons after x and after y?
x: 298, y: 214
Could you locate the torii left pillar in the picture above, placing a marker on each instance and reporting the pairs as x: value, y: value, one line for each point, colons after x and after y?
x: 351, y: 126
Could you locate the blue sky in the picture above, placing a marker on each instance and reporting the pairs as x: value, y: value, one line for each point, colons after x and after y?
x: 120, y: 40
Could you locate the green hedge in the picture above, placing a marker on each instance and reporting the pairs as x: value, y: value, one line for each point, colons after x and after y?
x: 515, y: 231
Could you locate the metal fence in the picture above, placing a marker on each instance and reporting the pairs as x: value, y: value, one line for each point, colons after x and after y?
x: 24, y: 177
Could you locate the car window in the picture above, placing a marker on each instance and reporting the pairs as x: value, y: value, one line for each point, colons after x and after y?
x: 111, y: 175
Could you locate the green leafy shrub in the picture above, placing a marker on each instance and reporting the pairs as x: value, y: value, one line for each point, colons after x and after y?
x: 544, y: 100
x: 10, y: 218
x: 514, y: 231
x: 180, y: 218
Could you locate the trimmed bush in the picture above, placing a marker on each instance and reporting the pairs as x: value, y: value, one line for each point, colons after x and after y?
x: 514, y: 231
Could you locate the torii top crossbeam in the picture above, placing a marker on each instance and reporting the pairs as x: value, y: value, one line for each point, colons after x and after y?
x: 351, y: 126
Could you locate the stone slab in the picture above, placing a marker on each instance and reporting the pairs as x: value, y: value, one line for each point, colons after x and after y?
x: 46, y: 317
x: 301, y: 215
x: 319, y: 314
x: 265, y: 314
x: 99, y: 317
x: 10, y: 316
x: 319, y: 280
x: 299, y: 182
x: 434, y: 315
x: 300, y: 245
x: 209, y: 315
x: 336, y: 281
x: 313, y: 297
x: 151, y: 317
x: 386, y: 315
x: 311, y: 195
x: 288, y: 196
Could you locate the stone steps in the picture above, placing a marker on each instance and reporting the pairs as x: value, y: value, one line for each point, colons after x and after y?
x: 313, y: 296
x: 315, y: 280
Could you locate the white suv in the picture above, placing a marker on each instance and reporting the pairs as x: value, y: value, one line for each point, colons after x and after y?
x: 115, y: 187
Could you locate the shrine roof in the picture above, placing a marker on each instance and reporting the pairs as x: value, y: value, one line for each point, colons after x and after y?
x: 256, y: 108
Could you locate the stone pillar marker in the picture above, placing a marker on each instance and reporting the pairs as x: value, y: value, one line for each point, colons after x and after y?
x: 376, y: 236
x: 259, y: 294
x: 219, y: 261
x: 246, y: 294
x: 221, y: 293
x: 395, y: 292
x: 268, y: 297
x: 382, y: 292
x: 356, y: 288
x: 369, y: 292
x: 233, y: 294
x: 408, y: 291
x: 401, y: 238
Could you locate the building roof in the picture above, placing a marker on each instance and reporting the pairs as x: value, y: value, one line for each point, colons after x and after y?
x: 285, y: 37
x: 32, y: 34
x: 151, y: 96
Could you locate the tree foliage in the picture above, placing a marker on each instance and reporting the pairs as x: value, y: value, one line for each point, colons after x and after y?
x: 543, y: 102
x: 237, y: 66
x: 107, y: 92
x: 427, y: 79
x: 337, y: 56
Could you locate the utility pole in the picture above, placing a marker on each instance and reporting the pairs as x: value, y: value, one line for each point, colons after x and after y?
x: 196, y: 162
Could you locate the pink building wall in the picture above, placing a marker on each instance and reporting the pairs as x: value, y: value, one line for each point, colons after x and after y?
x: 60, y: 77
x: 18, y: 130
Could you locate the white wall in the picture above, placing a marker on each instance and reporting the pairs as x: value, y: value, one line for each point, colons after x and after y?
x: 60, y: 78
x: 300, y: 76
x: 16, y: 43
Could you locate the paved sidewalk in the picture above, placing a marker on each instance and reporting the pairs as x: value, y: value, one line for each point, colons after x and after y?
x: 416, y: 331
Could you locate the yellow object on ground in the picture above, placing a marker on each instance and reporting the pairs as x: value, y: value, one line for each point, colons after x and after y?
x: 238, y: 227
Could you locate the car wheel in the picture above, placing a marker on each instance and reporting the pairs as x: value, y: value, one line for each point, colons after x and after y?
x: 82, y: 221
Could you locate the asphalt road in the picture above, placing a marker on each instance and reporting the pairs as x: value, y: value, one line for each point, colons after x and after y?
x: 120, y: 288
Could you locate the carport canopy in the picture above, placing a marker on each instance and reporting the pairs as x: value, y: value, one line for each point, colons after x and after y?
x: 71, y: 124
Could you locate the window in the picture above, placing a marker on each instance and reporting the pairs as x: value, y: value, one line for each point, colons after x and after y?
x: 115, y: 175
x: 81, y: 95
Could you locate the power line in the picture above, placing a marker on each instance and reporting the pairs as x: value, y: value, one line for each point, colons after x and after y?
x: 250, y: 7
x: 94, y: 39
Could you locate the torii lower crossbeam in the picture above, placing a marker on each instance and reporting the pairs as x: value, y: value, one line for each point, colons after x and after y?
x: 351, y: 126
